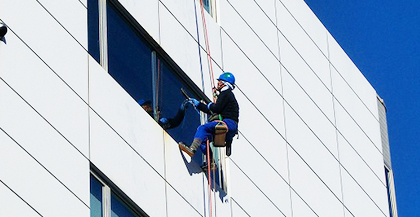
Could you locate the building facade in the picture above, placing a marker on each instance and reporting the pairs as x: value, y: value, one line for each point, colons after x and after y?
x: 74, y: 140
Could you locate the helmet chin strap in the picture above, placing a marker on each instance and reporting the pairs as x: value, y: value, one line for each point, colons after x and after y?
x: 227, y: 85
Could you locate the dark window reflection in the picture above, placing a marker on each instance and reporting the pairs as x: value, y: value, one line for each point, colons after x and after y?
x: 93, y: 29
x: 95, y: 197
x: 169, y: 101
x: 129, y: 58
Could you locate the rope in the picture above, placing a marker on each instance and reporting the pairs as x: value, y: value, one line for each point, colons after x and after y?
x: 210, y: 66
x: 209, y: 62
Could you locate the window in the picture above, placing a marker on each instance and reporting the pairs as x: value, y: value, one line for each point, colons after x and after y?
x: 129, y: 57
x: 95, y: 197
x: 134, y: 63
x: 169, y: 100
x: 105, y: 201
x: 144, y: 70
x: 93, y: 30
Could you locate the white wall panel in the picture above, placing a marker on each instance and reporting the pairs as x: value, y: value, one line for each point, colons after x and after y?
x: 43, y: 142
x: 308, y: 21
x: 113, y: 104
x: 257, y: 21
x: 311, y: 188
x: 314, y: 153
x: 146, y: 13
x: 357, y: 201
x: 32, y: 180
x: 295, y: 45
x: 13, y: 205
x: 353, y: 77
x: 264, y: 90
x: 84, y: 2
x: 56, y: 102
x: 360, y: 143
x: 300, y: 207
x: 269, y: 180
x: 296, y: 71
x: 185, y: 174
x: 257, y: 131
x: 177, y: 206
x: 249, y: 197
x: 183, y: 11
x: 64, y: 12
x: 238, y: 38
x: 367, y: 123
x: 268, y: 6
x: 222, y: 203
x: 54, y: 45
x: 126, y: 168
x: 237, y: 210
x: 182, y: 48
x: 374, y: 186
x: 298, y: 102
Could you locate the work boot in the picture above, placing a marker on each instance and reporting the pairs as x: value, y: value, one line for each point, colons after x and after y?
x: 192, y: 149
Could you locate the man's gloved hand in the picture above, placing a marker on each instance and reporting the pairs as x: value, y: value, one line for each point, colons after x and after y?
x: 194, y: 102
x: 184, y: 104
x: 163, y: 120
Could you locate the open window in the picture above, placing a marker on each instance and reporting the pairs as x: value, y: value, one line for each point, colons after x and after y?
x: 143, y: 69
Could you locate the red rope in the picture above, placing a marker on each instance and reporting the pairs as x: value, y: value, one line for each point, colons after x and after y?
x: 209, y: 62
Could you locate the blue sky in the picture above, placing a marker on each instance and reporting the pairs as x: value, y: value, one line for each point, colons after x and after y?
x: 383, y: 40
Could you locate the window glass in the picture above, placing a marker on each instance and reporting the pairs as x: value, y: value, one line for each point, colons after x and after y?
x: 129, y: 57
x: 169, y: 101
x: 119, y: 208
x: 95, y: 197
x: 93, y: 29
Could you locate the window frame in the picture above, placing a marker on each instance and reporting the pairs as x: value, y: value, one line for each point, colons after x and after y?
x: 109, y: 188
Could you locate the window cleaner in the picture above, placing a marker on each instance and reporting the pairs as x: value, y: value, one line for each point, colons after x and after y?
x: 224, y: 111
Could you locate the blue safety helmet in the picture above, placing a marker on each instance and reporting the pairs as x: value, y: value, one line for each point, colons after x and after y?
x: 228, y: 77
